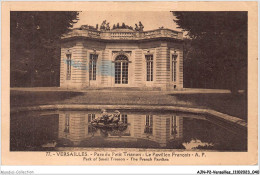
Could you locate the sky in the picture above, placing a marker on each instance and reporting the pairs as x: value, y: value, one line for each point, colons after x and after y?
x: 150, y: 19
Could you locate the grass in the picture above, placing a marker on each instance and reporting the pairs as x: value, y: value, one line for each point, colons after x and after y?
x: 227, y: 103
x: 31, y: 98
x: 231, y: 104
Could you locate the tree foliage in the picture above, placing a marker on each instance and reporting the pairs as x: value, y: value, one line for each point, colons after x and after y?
x: 216, y: 48
x: 35, y: 46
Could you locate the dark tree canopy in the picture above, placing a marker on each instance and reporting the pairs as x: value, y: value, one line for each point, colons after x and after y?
x: 35, y: 46
x: 215, y: 50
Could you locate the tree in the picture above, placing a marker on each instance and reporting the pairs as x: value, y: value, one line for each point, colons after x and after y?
x: 218, y: 45
x: 35, y: 46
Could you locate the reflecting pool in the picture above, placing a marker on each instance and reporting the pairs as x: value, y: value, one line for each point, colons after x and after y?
x: 53, y: 130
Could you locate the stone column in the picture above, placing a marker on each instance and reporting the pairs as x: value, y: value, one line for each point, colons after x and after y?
x: 79, y: 66
x: 163, y: 66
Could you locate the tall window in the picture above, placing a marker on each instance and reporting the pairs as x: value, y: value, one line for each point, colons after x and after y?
x: 174, y: 126
x: 67, y: 123
x: 148, y: 124
x: 91, y: 117
x: 92, y: 66
x: 121, y: 69
x: 68, y: 55
x: 91, y: 129
x: 149, y: 67
x: 174, y: 67
x: 124, y: 118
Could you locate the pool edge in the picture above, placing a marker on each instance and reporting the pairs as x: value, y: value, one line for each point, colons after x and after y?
x: 211, y: 112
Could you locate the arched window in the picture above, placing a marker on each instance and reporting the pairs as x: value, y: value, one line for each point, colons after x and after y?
x: 121, y: 69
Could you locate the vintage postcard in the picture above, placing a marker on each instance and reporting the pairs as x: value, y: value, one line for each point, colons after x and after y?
x: 129, y: 83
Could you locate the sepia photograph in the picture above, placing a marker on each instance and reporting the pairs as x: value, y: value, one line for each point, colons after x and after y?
x: 145, y: 66
x: 129, y: 86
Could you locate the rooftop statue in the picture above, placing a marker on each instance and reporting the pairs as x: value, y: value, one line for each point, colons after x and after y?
x: 114, y: 26
x: 88, y: 27
x: 139, y: 27
x: 129, y: 27
x: 107, y: 27
x: 103, y: 25
x: 123, y: 26
x: 136, y: 27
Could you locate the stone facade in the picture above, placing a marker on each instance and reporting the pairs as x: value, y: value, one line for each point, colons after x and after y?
x: 122, y: 58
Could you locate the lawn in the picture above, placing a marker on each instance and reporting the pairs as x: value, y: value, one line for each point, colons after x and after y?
x: 227, y: 103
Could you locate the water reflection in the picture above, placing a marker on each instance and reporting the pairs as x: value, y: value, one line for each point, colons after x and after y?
x: 158, y: 129
x: 37, y: 131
